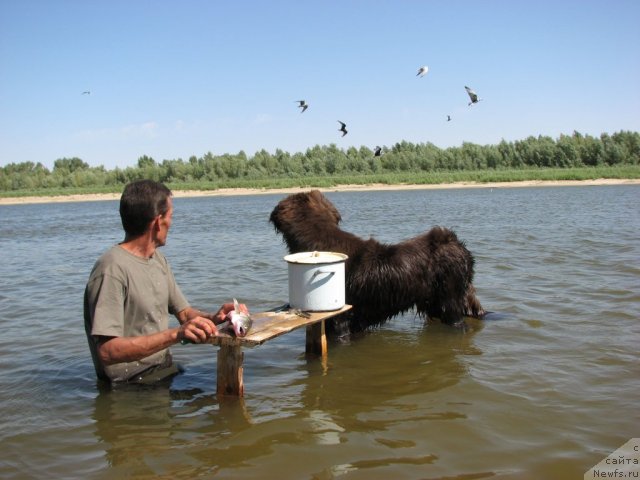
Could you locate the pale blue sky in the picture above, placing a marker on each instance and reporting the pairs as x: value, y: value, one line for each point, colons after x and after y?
x: 171, y: 79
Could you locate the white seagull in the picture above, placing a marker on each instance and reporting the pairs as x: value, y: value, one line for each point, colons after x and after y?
x: 472, y: 95
x: 423, y: 71
x: 303, y: 105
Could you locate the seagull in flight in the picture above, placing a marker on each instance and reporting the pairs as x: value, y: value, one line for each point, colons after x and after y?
x: 472, y: 95
x: 303, y: 105
x: 422, y: 71
x: 377, y: 152
x: 86, y: 92
x: 343, y: 128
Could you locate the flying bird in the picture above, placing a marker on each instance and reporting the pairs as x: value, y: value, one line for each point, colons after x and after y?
x: 472, y: 95
x: 422, y: 71
x: 377, y: 152
x: 303, y: 105
x: 86, y: 92
x: 343, y: 128
x: 448, y: 118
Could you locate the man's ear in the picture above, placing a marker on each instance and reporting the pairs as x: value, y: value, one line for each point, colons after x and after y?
x: 155, y: 223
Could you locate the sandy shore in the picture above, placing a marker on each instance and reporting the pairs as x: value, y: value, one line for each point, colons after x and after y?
x: 341, y: 188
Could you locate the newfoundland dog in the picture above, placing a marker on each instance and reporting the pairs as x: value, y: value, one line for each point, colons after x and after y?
x: 432, y: 272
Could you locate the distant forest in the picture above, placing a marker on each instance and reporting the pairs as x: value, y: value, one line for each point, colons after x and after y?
x: 567, y: 151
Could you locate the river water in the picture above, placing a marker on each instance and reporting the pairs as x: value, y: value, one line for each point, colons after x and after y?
x: 547, y: 389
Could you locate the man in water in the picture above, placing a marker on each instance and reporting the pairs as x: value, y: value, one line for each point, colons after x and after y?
x: 132, y: 290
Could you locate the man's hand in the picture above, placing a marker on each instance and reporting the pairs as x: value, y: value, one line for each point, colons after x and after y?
x: 198, y: 329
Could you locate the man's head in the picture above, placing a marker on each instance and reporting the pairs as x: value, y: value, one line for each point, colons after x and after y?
x: 142, y: 203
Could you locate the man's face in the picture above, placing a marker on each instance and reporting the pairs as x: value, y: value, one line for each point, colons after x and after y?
x: 164, y: 224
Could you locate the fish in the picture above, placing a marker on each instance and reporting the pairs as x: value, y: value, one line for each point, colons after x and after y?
x: 240, y: 322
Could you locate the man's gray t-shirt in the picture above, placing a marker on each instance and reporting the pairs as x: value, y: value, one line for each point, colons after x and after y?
x: 129, y: 296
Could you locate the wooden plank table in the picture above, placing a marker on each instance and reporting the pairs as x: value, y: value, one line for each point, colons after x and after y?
x: 267, y: 325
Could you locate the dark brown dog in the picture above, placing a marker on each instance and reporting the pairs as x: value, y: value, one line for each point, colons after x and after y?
x: 432, y: 272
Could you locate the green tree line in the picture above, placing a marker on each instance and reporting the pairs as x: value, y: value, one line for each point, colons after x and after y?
x: 567, y: 151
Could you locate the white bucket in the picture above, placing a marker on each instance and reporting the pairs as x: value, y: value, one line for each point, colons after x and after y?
x: 316, y: 281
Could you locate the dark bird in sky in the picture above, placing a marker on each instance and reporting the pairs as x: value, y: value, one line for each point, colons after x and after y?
x: 86, y: 92
x: 423, y: 71
x: 377, y: 152
x: 472, y: 95
x: 448, y: 118
x: 343, y: 128
x: 303, y: 105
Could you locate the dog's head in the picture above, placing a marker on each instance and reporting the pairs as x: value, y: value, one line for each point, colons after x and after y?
x: 306, y: 208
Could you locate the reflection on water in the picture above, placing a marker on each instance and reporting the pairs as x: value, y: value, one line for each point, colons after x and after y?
x: 332, y: 406
x: 388, y: 365
x: 544, y: 388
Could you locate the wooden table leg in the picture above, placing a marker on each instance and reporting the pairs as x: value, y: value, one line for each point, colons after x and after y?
x: 316, y: 339
x: 230, y: 371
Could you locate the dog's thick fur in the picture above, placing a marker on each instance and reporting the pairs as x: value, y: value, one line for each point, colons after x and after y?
x: 432, y: 272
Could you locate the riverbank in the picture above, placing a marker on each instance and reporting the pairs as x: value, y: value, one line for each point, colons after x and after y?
x: 338, y: 188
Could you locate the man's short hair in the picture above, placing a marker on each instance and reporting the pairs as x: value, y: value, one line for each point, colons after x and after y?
x: 140, y: 203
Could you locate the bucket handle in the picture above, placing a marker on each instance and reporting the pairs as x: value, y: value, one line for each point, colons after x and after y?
x: 320, y: 272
